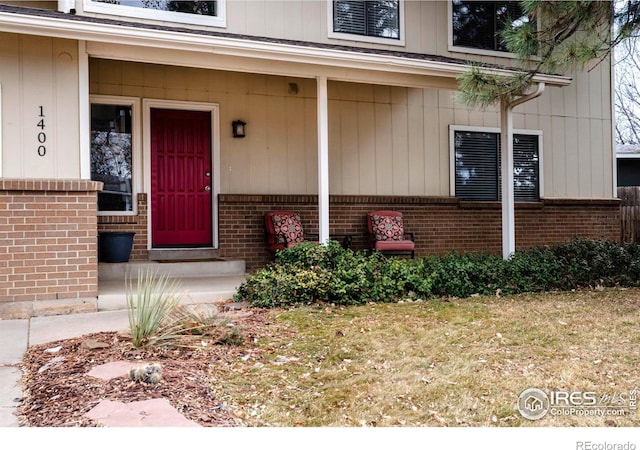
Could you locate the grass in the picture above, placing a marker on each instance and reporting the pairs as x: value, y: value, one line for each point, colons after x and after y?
x: 436, y: 363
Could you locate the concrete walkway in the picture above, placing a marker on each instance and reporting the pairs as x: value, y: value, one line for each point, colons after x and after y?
x: 17, y: 335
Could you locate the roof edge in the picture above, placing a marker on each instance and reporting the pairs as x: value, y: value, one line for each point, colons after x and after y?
x: 56, y: 24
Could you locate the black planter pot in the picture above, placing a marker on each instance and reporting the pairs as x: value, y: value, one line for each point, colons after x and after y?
x: 114, y: 247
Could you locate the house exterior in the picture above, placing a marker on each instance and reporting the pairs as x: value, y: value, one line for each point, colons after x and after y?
x: 628, y: 165
x: 117, y: 116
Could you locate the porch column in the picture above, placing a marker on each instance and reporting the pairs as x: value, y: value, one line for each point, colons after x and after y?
x: 508, y: 208
x: 323, y: 160
x: 506, y: 146
x: 84, y: 111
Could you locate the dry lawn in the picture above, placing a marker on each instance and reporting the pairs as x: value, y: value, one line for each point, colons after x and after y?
x: 436, y: 363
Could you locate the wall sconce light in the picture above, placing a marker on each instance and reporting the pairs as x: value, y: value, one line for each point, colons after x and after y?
x: 239, y: 128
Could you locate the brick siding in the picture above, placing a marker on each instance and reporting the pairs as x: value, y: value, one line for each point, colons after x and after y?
x: 49, y: 245
x: 440, y: 224
x: 49, y: 232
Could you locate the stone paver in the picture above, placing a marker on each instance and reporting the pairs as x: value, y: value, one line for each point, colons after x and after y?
x: 147, y: 413
x: 112, y: 370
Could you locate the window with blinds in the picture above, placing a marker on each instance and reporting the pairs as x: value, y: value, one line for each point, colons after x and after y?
x: 478, y: 24
x: 478, y: 166
x: 367, y: 18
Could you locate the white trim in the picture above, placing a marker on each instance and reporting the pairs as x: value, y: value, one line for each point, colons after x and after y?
x: 323, y: 159
x: 452, y: 152
x: 627, y: 156
x: 136, y: 156
x: 400, y: 42
x: 219, y: 20
x: 615, y: 154
x: 214, y: 109
x: 84, y: 111
x: 1, y: 126
x: 66, y: 6
x: 219, y: 45
x: 508, y: 191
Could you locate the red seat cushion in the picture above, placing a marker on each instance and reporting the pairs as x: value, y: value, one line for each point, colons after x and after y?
x: 392, y: 245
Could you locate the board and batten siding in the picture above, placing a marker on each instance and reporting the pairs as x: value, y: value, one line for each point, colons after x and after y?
x: 34, y: 72
x: 384, y: 140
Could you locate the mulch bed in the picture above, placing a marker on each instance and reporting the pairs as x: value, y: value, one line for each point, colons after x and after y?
x: 57, y: 392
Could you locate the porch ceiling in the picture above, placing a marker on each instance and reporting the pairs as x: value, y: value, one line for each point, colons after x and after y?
x: 114, y: 39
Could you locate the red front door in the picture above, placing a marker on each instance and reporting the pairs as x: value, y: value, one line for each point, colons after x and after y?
x: 181, y: 178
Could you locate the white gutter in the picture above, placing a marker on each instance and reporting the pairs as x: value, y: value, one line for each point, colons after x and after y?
x: 1, y: 127
x: 506, y: 146
x: 219, y: 45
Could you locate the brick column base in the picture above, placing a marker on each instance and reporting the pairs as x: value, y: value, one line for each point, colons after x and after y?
x: 48, y: 257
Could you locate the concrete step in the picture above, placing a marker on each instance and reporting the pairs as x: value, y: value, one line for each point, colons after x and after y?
x: 112, y: 294
x: 183, y: 253
x: 192, y: 268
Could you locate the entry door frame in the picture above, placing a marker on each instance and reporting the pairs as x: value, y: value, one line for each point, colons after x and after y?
x: 214, y: 109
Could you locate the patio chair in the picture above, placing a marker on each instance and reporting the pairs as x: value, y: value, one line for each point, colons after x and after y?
x: 387, y: 234
x: 284, y: 230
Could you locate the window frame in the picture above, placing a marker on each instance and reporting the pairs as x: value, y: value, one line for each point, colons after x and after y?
x: 136, y: 148
x: 470, y: 50
x: 400, y: 42
x: 477, y: 129
x: 219, y: 20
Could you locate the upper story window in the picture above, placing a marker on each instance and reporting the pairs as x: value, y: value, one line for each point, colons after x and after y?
x: 368, y: 21
x: 210, y: 13
x: 476, y: 156
x: 477, y: 25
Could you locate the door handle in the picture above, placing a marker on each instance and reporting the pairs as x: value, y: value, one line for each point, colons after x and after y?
x: 207, y: 188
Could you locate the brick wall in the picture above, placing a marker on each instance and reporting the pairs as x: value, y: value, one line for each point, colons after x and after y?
x: 49, y: 245
x: 136, y: 223
x: 440, y: 224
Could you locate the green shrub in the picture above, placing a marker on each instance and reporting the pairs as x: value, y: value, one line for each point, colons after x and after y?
x: 462, y: 275
x: 286, y: 284
x: 533, y: 270
x: 588, y: 263
x: 311, y: 273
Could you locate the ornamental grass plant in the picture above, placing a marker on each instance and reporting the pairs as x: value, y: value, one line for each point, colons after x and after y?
x: 149, y: 304
x: 156, y: 317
